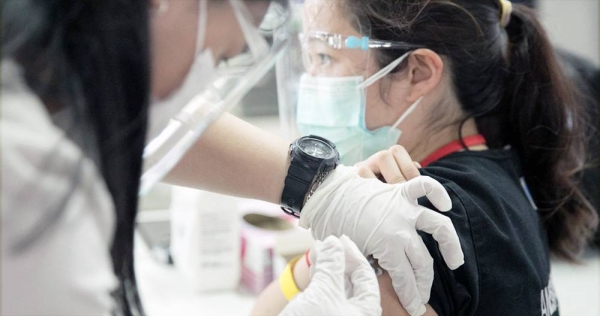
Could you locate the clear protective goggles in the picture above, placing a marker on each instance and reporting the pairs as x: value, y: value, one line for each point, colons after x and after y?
x: 234, y: 79
x: 338, y: 41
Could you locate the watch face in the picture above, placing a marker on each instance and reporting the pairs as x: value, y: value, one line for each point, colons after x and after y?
x: 315, y: 148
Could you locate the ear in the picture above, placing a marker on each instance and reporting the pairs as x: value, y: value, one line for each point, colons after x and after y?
x: 424, y: 73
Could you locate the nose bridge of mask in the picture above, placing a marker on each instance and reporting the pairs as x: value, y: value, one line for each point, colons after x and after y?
x: 256, y: 43
x: 329, y: 101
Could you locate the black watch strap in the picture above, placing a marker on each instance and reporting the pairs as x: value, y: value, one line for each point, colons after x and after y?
x: 297, y: 184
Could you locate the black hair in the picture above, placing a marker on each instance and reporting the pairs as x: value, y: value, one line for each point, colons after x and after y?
x: 92, y: 57
x: 508, y: 80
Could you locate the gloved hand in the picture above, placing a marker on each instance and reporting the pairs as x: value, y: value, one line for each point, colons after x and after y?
x: 383, y: 219
x: 333, y: 260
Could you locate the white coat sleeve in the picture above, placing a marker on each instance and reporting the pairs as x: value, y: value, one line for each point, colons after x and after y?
x: 56, y: 236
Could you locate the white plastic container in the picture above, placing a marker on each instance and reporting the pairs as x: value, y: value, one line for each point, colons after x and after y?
x: 205, y: 238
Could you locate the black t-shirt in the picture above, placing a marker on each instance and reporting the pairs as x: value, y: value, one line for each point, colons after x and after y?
x: 507, y: 260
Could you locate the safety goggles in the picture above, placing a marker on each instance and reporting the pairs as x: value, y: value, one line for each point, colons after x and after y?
x: 338, y: 41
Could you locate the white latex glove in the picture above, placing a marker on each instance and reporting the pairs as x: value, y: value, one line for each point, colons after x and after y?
x: 333, y: 260
x: 383, y: 219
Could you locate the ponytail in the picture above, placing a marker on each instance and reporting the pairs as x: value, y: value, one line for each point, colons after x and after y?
x: 546, y: 122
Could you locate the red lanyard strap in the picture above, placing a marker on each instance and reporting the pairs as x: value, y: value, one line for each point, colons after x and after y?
x: 453, y: 147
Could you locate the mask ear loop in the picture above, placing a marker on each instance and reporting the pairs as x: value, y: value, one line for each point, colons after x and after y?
x: 202, y: 24
x: 410, y: 109
x: 404, y: 115
x: 384, y: 72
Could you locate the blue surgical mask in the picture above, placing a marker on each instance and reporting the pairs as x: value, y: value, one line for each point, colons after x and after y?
x: 334, y: 108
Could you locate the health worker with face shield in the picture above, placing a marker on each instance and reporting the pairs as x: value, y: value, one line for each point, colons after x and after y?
x: 102, y: 99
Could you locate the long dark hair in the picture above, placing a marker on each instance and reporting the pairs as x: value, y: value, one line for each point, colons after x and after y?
x: 92, y: 57
x: 507, y: 78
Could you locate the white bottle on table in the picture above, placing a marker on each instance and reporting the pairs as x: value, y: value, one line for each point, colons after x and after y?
x: 205, y: 242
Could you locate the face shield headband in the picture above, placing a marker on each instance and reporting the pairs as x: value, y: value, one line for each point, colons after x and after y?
x: 232, y: 83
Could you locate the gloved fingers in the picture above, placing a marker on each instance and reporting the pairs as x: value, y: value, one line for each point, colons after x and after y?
x: 398, y: 266
x: 392, y: 166
x: 354, y: 257
x: 384, y: 164
x: 442, y: 230
x: 409, y: 168
x: 422, y: 265
x: 327, y: 270
x: 427, y: 186
x: 365, y: 289
x: 349, y: 289
x: 365, y: 172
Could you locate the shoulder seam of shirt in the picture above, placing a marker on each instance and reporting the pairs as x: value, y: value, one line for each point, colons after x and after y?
x: 471, y: 232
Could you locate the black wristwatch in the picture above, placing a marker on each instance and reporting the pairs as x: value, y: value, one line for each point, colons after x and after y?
x: 312, y: 159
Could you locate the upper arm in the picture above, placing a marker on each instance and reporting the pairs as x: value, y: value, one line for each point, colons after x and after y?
x: 390, y: 304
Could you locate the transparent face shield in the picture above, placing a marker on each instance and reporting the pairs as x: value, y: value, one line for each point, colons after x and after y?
x: 233, y: 80
x: 328, y: 81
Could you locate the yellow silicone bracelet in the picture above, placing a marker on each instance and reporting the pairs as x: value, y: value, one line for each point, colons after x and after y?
x: 286, y: 280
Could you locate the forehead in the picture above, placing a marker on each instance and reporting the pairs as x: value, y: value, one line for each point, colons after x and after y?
x: 326, y: 16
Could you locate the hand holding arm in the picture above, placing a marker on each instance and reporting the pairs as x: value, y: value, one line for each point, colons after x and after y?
x: 383, y: 220
x: 391, y: 166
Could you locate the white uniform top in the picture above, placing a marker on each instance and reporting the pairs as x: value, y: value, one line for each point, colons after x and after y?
x: 68, y: 269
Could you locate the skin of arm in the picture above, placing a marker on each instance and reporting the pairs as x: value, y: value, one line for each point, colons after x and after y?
x: 235, y: 158
x: 271, y: 301
x: 390, y: 304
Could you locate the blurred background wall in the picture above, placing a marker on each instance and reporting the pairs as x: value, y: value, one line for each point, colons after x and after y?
x: 573, y: 25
